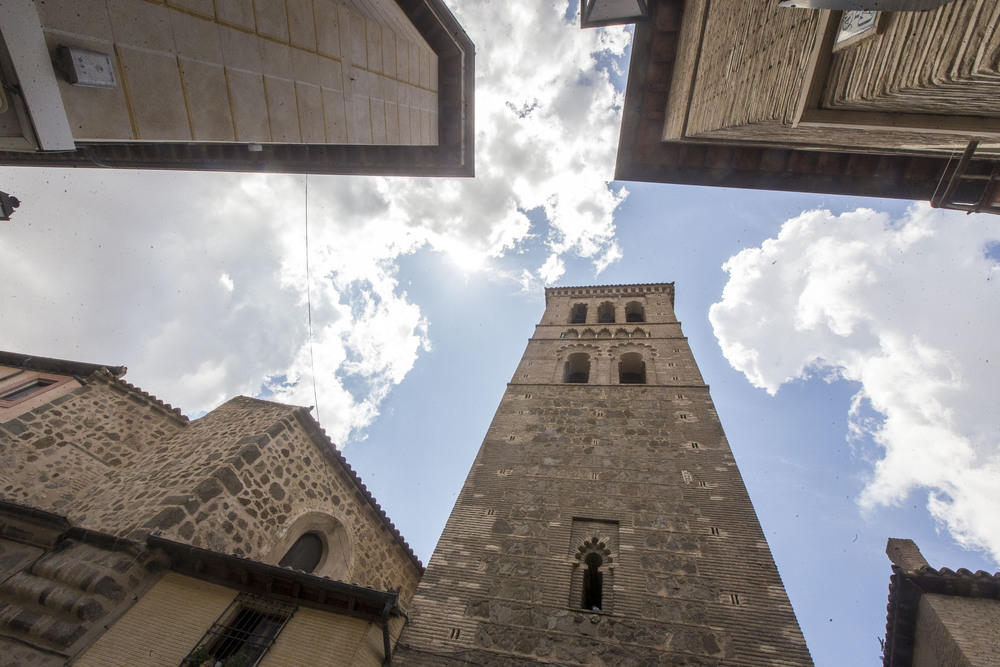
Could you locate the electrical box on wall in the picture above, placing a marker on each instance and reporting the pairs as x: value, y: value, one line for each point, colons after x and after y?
x: 82, y: 67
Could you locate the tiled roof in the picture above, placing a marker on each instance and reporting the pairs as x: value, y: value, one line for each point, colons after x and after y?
x: 112, y: 374
x: 61, y: 366
x: 174, y: 412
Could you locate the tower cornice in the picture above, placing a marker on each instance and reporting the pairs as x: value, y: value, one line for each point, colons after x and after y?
x: 591, y: 291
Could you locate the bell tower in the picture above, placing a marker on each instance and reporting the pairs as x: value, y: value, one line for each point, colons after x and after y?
x: 604, y: 520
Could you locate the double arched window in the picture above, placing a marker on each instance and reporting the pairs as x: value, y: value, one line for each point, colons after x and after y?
x: 578, y: 313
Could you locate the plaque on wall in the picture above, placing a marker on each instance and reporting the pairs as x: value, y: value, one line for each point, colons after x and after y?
x: 856, y: 25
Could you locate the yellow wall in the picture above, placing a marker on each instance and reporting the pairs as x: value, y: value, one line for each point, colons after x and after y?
x: 163, y: 626
x: 168, y: 622
x: 313, y: 637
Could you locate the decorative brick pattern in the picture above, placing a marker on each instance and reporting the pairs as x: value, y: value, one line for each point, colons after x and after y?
x: 753, y: 65
x: 943, y: 61
x: 752, y: 68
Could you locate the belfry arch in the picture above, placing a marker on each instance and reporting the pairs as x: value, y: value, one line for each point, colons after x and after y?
x: 635, y: 312
x: 577, y: 368
x: 631, y: 369
x: 606, y: 313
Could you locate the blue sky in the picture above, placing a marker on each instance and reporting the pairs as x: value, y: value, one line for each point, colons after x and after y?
x: 850, y: 355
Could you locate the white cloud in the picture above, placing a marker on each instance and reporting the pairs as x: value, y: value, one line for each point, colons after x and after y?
x: 552, y: 269
x: 909, y: 309
x: 547, y: 134
x: 198, y: 281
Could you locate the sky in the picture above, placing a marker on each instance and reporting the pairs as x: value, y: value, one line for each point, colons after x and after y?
x: 849, y: 343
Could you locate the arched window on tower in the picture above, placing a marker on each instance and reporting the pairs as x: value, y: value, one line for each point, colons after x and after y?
x: 631, y: 369
x: 578, y: 314
x: 634, y: 312
x: 606, y: 313
x: 577, y: 369
x: 305, y: 554
x: 593, y: 583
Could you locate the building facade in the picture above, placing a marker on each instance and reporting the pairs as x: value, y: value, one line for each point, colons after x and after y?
x: 130, y: 535
x: 815, y: 100
x: 604, y: 520
x: 939, y: 617
x: 314, y: 86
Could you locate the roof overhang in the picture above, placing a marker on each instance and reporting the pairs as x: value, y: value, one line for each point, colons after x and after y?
x: 277, y: 582
x: 60, y: 366
x: 644, y: 154
x: 452, y: 156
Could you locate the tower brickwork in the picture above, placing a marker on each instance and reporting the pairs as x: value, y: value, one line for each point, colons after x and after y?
x: 604, y: 520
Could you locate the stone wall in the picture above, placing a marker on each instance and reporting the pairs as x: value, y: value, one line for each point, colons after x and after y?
x: 234, y: 481
x: 68, y: 452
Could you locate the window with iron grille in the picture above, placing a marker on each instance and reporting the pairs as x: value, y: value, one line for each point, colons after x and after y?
x: 243, y: 633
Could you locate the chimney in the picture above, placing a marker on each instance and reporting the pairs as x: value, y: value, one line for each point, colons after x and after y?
x: 905, y: 554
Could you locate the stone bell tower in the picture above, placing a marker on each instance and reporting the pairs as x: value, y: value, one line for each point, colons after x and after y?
x: 604, y: 520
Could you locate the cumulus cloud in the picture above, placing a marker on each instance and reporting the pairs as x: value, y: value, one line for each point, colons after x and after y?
x: 547, y: 134
x: 908, y: 309
x: 199, y: 283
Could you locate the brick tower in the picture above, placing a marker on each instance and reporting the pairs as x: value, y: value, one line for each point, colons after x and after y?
x: 604, y: 520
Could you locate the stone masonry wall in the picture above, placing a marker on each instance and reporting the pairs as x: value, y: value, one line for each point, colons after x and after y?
x: 692, y: 580
x: 72, y: 449
x: 233, y: 481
